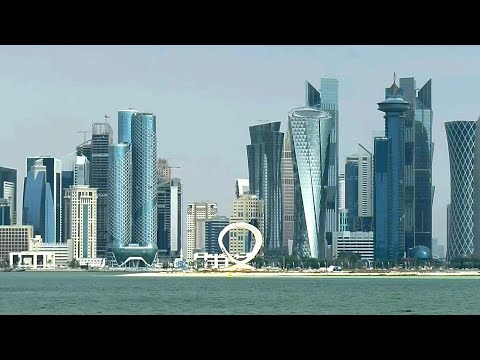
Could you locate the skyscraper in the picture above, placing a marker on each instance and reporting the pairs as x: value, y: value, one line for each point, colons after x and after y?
x: 38, y: 206
x: 144, y: 181
x: 68, y: 179
x: 53, y: 170
x: 327, y: 100
x: 213, y: 228
x: 102, y: 137
x: 381, y: 198
x: 81, y: 214
x: 341, y: 191
x: 241, y: 187
x: 476, y: 194
x: 197, y: 214
x: 169, y: 216
x: 351, y: 191
x: 418, y: 164
x: 461, y: 147
x: 8, y: 191
x: 264, y: 165
x: 394, y: 108
x: 125, y: 125
x: 120, y: 200
x: 164, y: 171
x: 310, y: 129
x: 5, y: 215
x: 81, y: 172
x: 288, y: 191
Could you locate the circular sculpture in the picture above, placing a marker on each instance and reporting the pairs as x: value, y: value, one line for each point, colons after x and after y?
x: 257, y: 235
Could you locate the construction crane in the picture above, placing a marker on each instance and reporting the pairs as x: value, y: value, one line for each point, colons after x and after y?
x: 84, y: 132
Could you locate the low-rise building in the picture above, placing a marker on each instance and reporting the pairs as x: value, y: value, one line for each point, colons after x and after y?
x: 14, y: 238
x: 32, y: 259
x: 63, y: 251
x: 357, y: 242
x: 213, y: 261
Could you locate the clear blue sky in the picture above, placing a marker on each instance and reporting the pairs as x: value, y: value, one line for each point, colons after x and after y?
x: 205, y: 97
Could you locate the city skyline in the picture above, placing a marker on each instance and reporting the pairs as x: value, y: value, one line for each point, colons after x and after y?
x: 67, y: 88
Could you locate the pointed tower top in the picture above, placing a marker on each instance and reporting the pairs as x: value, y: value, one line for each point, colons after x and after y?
x: 394, y: 86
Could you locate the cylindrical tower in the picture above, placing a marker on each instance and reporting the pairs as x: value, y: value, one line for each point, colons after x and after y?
x: 120, y: 197
x: 144, y: 194
x: 125, y: 125
x: 461, y: 145
x: 310, y: 130
x: 476, y: 200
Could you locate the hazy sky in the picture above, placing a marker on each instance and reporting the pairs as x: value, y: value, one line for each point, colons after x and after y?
x: 206, y: 97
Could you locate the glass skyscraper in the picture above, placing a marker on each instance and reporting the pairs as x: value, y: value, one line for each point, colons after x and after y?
x: 264, y: 168
x: 125, y: 125
x: 8, y: 191
x: 476, y: 199
x: 38, y: 205
x: 288, y: 192
x: 394, y: 108
x: 418, y: 164
x: 310, y: 129
x: 68, y: 177
x: 169, y: 216
x: 213, y: 228
x: 144, y: 181
x: 380, y: 198
x: 461, y: 146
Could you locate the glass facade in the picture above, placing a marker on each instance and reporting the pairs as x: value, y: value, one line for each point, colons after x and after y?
x: 38, y: 208
x: 169, y: 216
x: 461, y: 145
x: 4, y: 212
x: 120, y: 198
x: 394, y: 108
x: 213, y: 228
x: 144, y: 180
x: 380, y: 198
x: 8, y: 190
x: 418, y: 164
x: 476, y: 199
x: 264, y: 169
x: 67, y: 181
x: 288, y: 192
x: 310, y: 129
x: 125, y: 125
x: 351, y: 192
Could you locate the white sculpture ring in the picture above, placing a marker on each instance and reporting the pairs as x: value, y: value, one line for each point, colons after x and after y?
x: 241, y: 225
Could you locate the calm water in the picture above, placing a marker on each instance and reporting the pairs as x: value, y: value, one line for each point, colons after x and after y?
x: 101, y: 293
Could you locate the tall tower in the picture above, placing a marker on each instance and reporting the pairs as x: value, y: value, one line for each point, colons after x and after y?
x: 8, y: 191
x: 288, y: 191
x: 381, y: 198
x: 53, y: 170
x: 81, y: 172
x: 476, y: 192
x: 310, y: 129
x: 249, y: 209
x: 461, y: 148
x: 169, y: 216
x: 394, y: 108
x: 264, y: 171
x: 197, y: 214
x: 120, y: 200
x: 125, y: 125
x: 81, y: 213
x: 144, y: 181
x: 102, y: 138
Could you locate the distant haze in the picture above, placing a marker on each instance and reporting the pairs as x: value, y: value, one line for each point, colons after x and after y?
x: 206, y: 97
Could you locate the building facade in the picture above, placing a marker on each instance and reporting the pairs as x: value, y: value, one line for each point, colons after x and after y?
x: 169, y: 216
x: 288, y: 192
x: 357, y: 242
x: 38, y: 207
x: 394, y: 108
x: 197, y: 214
x: 310, y: 130
x: 461, y: 147
x: 68, y: 179
x: 341, y: 191
x: 213, y: 228
x: 81, y: 174
x: 249, y: 209
x: 14, y: 238
x: 8, y: 191
x: 125, y: 125
x: 63, y: 251
x: 264, y: 170
x: 380, y: 197
x: 241, y: 187
x: 53, y: 170
x: 81, y: 214
x: 476, y: 194
x: 5, y: 215
x: 164, y: 171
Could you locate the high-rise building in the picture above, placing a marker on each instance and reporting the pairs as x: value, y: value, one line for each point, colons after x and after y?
x: 5, y: 215
x: 476, y: 193
x: 169, y: 216
x: 125, y: 125
x: 418, y: 164
x: 264, y: 165
x: 8, y: 191
x: 249, y: 209
x: 351, y: 191
x: 85, y: 149
x: 380, y: 197
x: 241, y: 187
x: 68, y: 179
x: 461, y: 146
x: 53, y: 170
x: 102, y: 138
x: 38, y: 206
x: 120, y: 201
x: 144, y: 181
x: 213, y: 228
x: 341, y: 191
x: 81, y: 219
x: 327, y: 100
x: 394, y: 108
x: 310, y: 129
x: 164, y: 171
x: 197, y: 214
x: 82, y: 171
x: 288, y: 191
